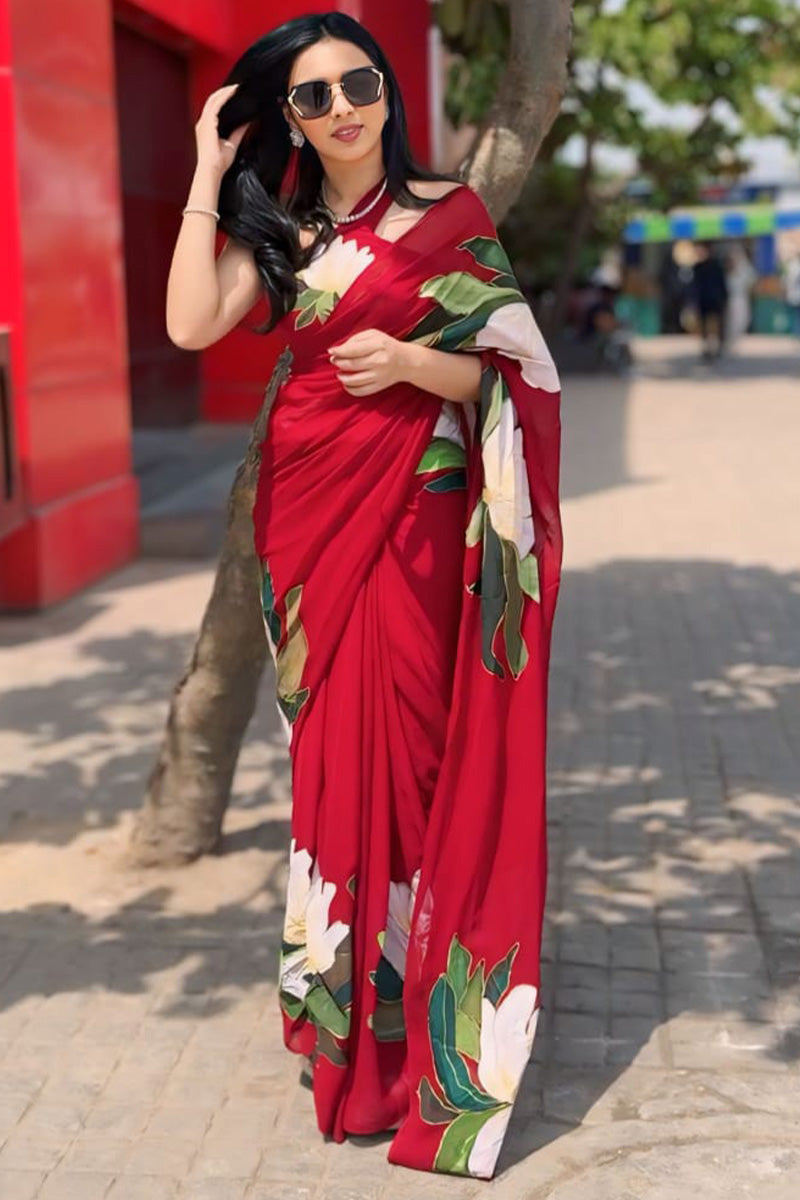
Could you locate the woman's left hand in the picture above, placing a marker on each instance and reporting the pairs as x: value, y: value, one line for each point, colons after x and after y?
x: 369, y: 361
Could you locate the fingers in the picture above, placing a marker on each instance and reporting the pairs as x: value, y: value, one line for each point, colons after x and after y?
x: 356, y: 378
x: 358, y: 343
x: 217, y: 98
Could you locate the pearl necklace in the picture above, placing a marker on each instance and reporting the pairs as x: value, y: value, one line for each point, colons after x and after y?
x: 355, y: 216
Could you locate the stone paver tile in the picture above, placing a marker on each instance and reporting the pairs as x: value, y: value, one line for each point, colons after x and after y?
x: 183, y: 1121
x: 20, y: 1185
x: 12, y: 1106
x: 143, y: 1187
x: 213, y: 1189
x: 228, y: 1157
x: 183, y: 1089
x: 75, y: 1185
x: 277, y: 1190
x: 154, y: 1155
x: 34, y: 1151
x: 361, y: 1191
x: 120, y: 1118
x: 96, y: 1150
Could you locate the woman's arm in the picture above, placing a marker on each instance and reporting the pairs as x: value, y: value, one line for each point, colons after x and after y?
x: 371, y: 360
x: 207, y: 296
x: 454, y: 375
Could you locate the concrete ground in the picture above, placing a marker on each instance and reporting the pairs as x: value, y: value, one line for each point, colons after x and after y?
x: 140, y: 1046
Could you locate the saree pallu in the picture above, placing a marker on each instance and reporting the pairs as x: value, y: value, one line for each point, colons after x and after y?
x: 410, y: 552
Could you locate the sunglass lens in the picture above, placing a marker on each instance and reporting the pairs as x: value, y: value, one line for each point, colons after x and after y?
x: 313, y: 98
x: 362, y: 85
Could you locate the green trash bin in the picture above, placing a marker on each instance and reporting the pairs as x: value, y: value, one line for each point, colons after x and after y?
x: 770, y: 315
x: 641, y: 313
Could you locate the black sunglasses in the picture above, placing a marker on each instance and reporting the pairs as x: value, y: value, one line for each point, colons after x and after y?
x: 361, y: 85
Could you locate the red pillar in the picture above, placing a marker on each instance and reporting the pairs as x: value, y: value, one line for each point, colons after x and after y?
x: 62, y: 299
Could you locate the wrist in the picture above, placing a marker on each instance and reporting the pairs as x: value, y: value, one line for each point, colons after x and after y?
x: 205, y: 184
x: 413, y: 362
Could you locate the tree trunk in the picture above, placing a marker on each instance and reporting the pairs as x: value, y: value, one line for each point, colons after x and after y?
x: 526, y: 104
x: 579, y: 227
x: 189, y: 786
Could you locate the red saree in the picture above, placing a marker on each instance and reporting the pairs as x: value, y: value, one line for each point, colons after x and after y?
x: 410, y: 553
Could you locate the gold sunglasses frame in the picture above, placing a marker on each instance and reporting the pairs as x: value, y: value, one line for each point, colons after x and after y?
x: 289, y: 97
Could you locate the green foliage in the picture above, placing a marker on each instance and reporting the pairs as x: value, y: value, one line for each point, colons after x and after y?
x: 537, y: 229
x: 479, y: 32
x: 736, y: 60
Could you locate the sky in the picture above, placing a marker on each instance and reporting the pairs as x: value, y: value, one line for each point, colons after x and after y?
x: 771, y: 159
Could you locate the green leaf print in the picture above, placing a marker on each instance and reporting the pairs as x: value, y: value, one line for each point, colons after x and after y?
x: 314, y: 305
x: 293, y: 1006
x: 459, y: 1138
x: 325, y: 1012
x: 468, y: 1036
x: 291, y: 658
x: 498, y: 393
x: 475, y: 526
x: 388, y: 983
x: 493, y: 596
x: 452, y: 481
x: 499, y: 976
x: 529, y: 576
x: 461, y: 293
x: 328, y: 1047
x: 471, y: 1003
x: 388, y: 1021
x: 490, y: 253
x: 516, y: 650
x: 441, y: 452
x: 451, y: 1070
x: 432, y: 1108
x: 271, y: 618
x: 458, y: 962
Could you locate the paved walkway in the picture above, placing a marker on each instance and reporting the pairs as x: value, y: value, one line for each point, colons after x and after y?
x: 140, y: 1049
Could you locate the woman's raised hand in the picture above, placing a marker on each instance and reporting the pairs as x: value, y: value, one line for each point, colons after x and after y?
x: 213, y: 152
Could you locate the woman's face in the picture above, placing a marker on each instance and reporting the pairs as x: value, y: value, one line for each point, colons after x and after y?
x: 329, y: 59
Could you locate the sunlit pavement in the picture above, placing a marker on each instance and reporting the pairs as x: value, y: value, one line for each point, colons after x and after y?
x: 140, y: 1045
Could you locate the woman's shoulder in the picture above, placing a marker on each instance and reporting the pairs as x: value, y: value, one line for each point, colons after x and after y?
x: 435, y: 189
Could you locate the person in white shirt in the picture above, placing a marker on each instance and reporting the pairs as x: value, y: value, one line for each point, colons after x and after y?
x: 791, y: 290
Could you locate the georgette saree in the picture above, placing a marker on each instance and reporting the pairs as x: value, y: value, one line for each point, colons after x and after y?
x: 410, y: 552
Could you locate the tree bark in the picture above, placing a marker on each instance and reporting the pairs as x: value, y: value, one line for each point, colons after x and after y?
x: 211, y: 705
x: 526, y: 104
x: 579, y: 227
x: 189, y: 787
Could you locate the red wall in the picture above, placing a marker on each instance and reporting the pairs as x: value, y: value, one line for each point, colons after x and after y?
x: 73, y: 514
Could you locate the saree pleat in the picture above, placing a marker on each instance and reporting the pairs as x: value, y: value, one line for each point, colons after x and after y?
x: 410, y: 558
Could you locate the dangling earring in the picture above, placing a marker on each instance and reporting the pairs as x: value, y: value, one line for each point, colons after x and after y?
x: 296, y: 136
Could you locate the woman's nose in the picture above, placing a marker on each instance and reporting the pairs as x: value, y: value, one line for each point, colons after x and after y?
x: 339, y: 101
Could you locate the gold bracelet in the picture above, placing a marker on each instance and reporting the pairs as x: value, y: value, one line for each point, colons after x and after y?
x: 210, y: 211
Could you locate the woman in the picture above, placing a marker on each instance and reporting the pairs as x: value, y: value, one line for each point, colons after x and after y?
x: 740, y: 276
x: 407, y: 528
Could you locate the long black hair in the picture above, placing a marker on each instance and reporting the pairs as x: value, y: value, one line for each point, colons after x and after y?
x: 251, y: 212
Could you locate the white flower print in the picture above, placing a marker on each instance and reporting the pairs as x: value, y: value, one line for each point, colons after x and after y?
x: 506, y: 489
x: 512, y: 330
x: 336, y: 266
x: 447, y: 425
x: 398, y: 922
x: 306, y: 924
x: 506, y: 1041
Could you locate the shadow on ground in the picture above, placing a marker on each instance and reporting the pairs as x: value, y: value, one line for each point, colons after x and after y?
x: 674, y: 835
